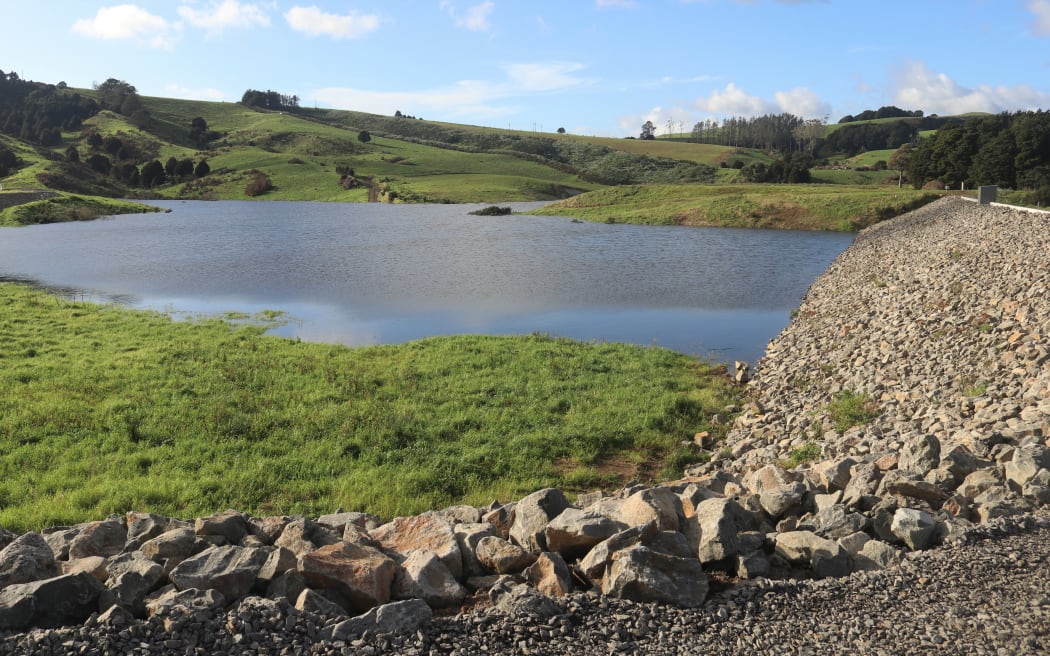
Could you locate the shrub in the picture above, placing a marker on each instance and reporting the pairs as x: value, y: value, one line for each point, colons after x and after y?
x: 848, y: 409
x: 492, y: 210
x: 258, y: 185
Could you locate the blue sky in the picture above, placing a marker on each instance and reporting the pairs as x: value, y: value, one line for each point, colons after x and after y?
x: 599, y: 67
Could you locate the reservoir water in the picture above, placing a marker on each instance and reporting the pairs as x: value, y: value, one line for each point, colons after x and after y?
x: 374, y: 273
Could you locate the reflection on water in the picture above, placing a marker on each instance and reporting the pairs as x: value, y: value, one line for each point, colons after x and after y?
x: 365, y: 274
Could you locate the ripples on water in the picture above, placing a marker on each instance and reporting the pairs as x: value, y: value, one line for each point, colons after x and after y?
x: 370, y: 273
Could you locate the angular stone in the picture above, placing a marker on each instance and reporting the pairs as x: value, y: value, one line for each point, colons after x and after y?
x: 26, y: 559
x: 835, y: 522
x: 53, y: 602
x: 863, y: 483
x: 834, y: 474
x: 131, y: 577
x: 59, y: 539
x: 1025, y: 464
x: 594, y: 564
x: 459, y: 515
x: 278, y: 562
x: 643, y: 575
x: 825, y: 557
x: 93, y: 565
x: 549, y: 574
x: 426, y: 532
x: 424, y: 576
x: 287, y: 585
x: 268, y: 529
x: 907, y: 484
x: 960, y: 461
x: 752, y: 565
x: 143, y: 526
x: 468, y: 536
x: 769, y: 477
x: 854, y: 542
x: 503, y: 557
x: 177, y: 544
x: 978, y: 482
x: 531, y: 515
x: 658, y: 504
x: 876, y: 555
x: 229, y: 569
x: 715, y: 528
x: 105, y: 538
x: 303, y: 536
x: 521, y: 600
x: 501, y: 518
x: 914, y: 528
x: 230, y: 525
x: 311, y: 601
x: 362, y: 575
x: 920, y: 455
x: 169, y: 601
x: 401, y: 617
x: 338, y: 521
x: 574, y: 532
x: 782, y: 500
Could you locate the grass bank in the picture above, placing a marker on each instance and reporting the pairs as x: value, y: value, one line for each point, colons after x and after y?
x: 66, y: 207
x: 805, y: 207
x: 104, y: 409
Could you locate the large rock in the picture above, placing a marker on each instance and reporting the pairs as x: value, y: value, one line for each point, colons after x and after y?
x: 105, y: 538
x: 28, y: 558
x: 468, y: 536
x: 311, y: 601
x: 862, y: 484
x: 424, y: 576
x: 574, y: 532
x: 643, y: 575
x: 909, y: 484
x: 782, y: 500
x: 338, y: 521
x: 503, y: 557
x: 876, y: 555
x: 404, y: 617
x: 303, y: 536
x: 361, y: 574
x: 834, y: 474
x: 1025, y: 464
x: 657, y: 504
x: 920, y: 455
x: 58, y: 601
x: 836, y: 522
x: 59, y: 538
x: 176, y: 545
x: 713, y: 530
x: 549, y: 574
x: 531, y: 516
x: 521, y: 600
x: 230, y: 526
x: 229, y: 569
x: 595, y: 563
x: 131, y: 577
x: 426, y: 532
x: 914, y: 528
x: 979, y: 481
x: 825, y: 557
x: 169, y: 601
x: 143, y: 526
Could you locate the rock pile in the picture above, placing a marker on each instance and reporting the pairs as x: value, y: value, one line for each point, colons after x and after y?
x: 907, y: 406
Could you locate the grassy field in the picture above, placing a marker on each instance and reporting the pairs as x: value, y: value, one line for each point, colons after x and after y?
x: 807, y: 207
x: 107, y: 410
x: 66, y: 207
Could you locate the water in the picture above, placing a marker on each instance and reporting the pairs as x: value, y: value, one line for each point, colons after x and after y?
x: 372, y: 273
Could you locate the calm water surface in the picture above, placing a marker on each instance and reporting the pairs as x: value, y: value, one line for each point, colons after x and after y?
x: 374, y: 273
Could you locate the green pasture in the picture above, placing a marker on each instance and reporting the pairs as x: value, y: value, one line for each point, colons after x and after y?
x: 807, y: 207
x: 106, y: 410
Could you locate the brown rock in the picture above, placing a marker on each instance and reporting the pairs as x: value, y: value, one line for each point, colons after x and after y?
x: 426, y: 532
x: 362, y: 575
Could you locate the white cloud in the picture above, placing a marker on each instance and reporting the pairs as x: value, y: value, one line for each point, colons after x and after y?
x: 544, y: 77
x: 803, y: 102
x: 918, y: 87
x: 127, y: 22
x: 475, y: 19
x: 1041, y: 10
x: 176, y: 91
x: 466, y: 97
x: 226, y: 14
x: 314, y: 22
x: 733, y: 101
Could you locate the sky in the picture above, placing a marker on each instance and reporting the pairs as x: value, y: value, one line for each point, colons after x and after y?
x: 592, y: 67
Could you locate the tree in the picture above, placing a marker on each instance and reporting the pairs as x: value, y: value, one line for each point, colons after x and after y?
x: 202, y: 169
x: 114, y: 94
x: 900, y: 161
x: 648, y: 130
x: 363, y: 136
x: 152, y: 174
x: 72, y: 154
x: 258, y: 184
x: 561, y: 130
x: 184, y: 168
x: 170, y: 166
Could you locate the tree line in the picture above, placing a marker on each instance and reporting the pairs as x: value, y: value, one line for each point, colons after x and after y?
x: 1011, y: 150
x: 38, y: 113
x: 272, y: 100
